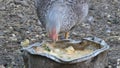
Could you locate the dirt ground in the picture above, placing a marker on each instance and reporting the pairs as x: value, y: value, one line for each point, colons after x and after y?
x: 18, y: 21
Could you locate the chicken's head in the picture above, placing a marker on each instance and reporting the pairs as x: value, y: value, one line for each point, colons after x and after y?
x: 53, y: 29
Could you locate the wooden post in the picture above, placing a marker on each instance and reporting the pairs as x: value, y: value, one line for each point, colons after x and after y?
x: 35, y: 61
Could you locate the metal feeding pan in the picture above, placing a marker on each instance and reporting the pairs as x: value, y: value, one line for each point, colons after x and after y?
x: 97, y: 44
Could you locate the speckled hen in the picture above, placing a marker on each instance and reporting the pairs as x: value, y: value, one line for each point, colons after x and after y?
x: 60, y: 15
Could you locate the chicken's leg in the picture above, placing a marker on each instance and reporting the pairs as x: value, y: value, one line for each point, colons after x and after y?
x: 66, y: 35
x: 56, y: 38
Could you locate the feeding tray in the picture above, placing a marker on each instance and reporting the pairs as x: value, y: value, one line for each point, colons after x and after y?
x: 68, y: 51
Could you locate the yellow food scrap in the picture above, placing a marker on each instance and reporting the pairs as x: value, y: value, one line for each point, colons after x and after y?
x: 70, y: 50
x: 57, y: 50
x: 25, y: 43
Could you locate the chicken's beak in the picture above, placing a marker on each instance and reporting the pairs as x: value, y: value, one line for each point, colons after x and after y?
x: 54, y: 37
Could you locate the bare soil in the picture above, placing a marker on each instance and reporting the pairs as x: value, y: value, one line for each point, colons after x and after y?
x: 18, y: 21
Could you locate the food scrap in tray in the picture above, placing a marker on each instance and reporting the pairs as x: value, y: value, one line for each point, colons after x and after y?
x: 66, y: 51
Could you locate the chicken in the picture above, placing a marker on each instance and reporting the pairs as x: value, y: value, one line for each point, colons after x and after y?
x: 60, y: 15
